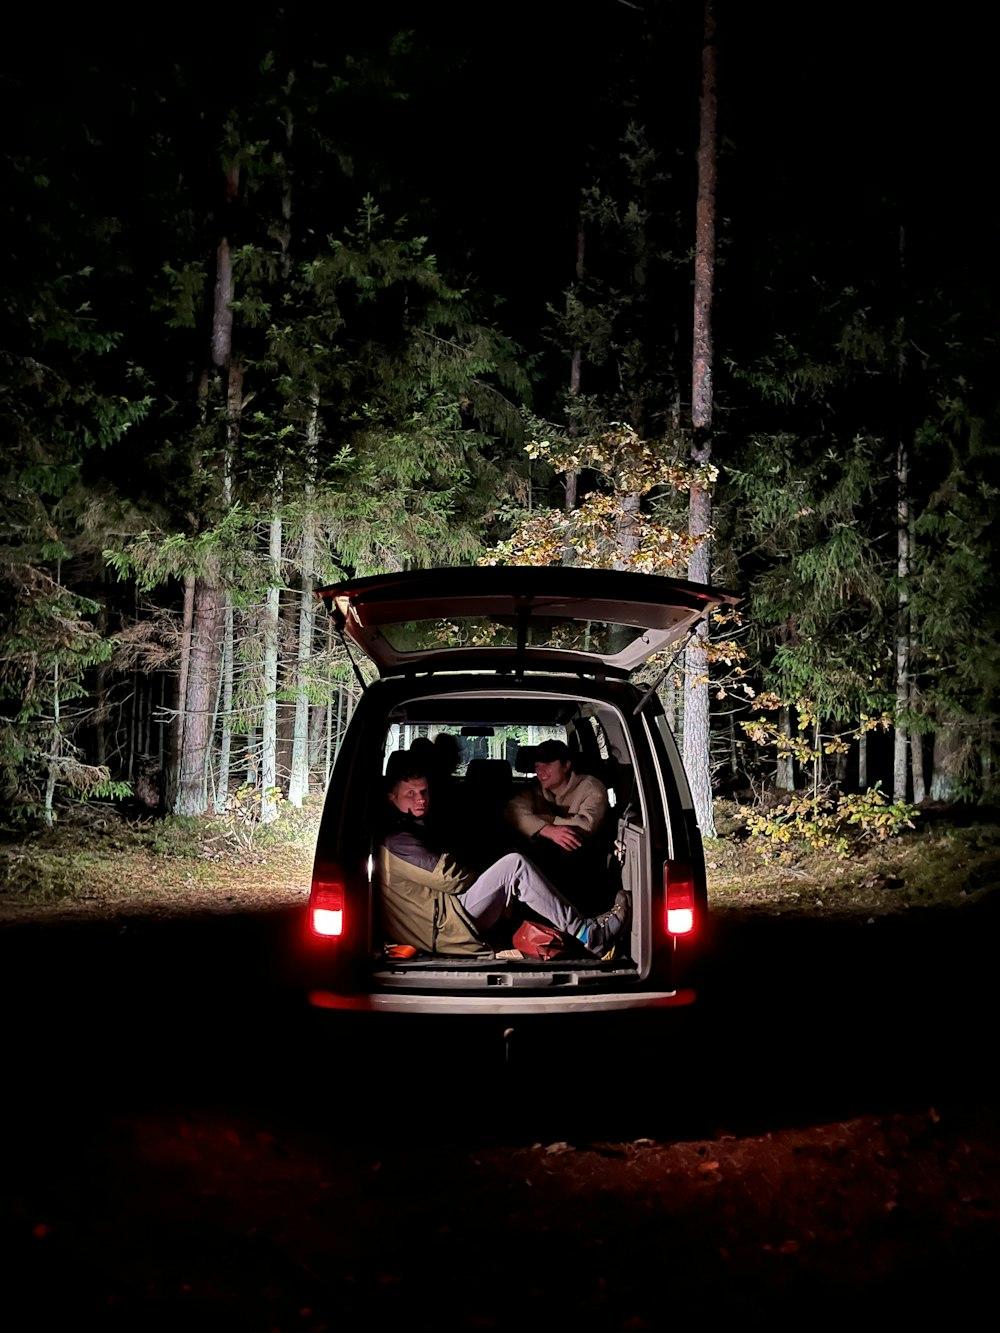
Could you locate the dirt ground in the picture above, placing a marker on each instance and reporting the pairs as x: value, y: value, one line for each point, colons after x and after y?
x: 187, y: 1148
x: 199, y: 1218
x: 183, y: 1152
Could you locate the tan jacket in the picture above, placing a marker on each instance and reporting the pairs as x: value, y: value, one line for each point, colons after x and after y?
x: 582, y: 804
x: 419, y: 899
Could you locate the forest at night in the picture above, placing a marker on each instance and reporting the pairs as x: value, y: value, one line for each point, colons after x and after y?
x: 315, y: 296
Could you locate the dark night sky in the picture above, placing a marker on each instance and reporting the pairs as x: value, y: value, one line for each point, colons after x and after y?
x: 831, y: 115
x: 838, y: 123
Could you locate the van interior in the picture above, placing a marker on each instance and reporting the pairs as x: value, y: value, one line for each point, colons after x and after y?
x: 479, y: 753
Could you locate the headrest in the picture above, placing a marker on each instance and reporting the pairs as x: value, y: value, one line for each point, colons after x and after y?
x: 524, y: 761
x: 489, y: 770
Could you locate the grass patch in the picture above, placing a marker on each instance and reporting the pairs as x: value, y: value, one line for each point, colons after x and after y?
x: 95, y: 864
x: 948, y: 858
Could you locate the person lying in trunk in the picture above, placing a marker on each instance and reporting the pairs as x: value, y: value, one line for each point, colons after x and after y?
x: 433, y: 903
x: 561, y: 819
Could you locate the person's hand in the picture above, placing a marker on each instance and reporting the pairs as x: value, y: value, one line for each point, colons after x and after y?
x: 562, y: 835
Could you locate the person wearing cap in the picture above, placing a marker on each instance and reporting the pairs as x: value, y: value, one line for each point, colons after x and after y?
x: 560, y: 818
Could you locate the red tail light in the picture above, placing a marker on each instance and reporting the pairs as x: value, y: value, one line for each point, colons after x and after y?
x: 326, y: 902
x: 678, y: 890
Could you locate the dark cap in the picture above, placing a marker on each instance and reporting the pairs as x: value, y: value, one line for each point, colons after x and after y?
x: 549, y: 750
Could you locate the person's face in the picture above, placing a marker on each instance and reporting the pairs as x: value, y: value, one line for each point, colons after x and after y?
x: 412, y: 796
x: 554, y: 773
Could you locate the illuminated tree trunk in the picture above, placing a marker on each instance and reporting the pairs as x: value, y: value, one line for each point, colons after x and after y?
x: 697, y: 730
x: 916, y: 737
x: 785, y: 776
x: 627, y: 534
x: 198, y: 706
x: 575, y: 374
x: 899, y: 755
x: 269, y: 728
x: 298, y: 782
x: 226, y: 705
x: 175, y: 734
x: 952, y: 750
x: 202, y: 692
x: 55, y: 747
x: 234, y: 413
x: 917, y: 767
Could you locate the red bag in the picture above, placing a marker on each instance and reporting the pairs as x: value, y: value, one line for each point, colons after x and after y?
x: 536, y: 940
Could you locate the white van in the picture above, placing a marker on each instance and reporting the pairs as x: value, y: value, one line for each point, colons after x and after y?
x: 496, y: 660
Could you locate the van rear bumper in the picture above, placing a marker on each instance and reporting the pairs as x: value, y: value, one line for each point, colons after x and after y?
x: 501, y: 1006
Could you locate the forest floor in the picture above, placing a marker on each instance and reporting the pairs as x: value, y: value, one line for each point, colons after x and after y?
x: 96, y: 864
x: 173, y: 1163
x: 204, y: 1218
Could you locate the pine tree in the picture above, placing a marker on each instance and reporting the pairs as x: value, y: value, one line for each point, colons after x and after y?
x: 821, y: 502
x: 338, y: 366
x: 63, y: 402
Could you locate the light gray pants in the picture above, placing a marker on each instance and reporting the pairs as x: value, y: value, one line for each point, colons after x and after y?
x: 514, y: 877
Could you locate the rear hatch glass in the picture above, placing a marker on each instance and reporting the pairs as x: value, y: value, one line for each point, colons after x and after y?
x: 517, y: 617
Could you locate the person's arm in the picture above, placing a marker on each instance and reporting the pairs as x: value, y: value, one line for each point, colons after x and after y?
x: 450, y: 877
x: 530, y: 814
x: 588, y: 807
x: 522, y: 812
x: 434, y: 870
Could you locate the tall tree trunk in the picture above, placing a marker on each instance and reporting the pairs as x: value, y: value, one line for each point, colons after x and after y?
x: 321, y: 725
x: 298, y: 782
x: 201, y: 693
x: 134, y: 728
x: 668, y: 698
x: 269, y: 729
x: 951, y: 757
x: 784, y: 778
x: 916, y: 737
x: 187, y: 623
x: 101, y: 677
x: 627, y: 535
x: 55, y: 749
x: 210, y: 594
x: 917, y: 767
x: 288, y: 630
x: 986, y: 751
x: 839, y: 757
x: 335, y: 725
x: 175, y: 735
x: 234, y: 412
x: 697, y: 729
x: 161, y: 737
x: 226, y: 709
x: 317, y: 731
x: 899, y: 754
x: 627, y: 532
x: 575, y: 374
